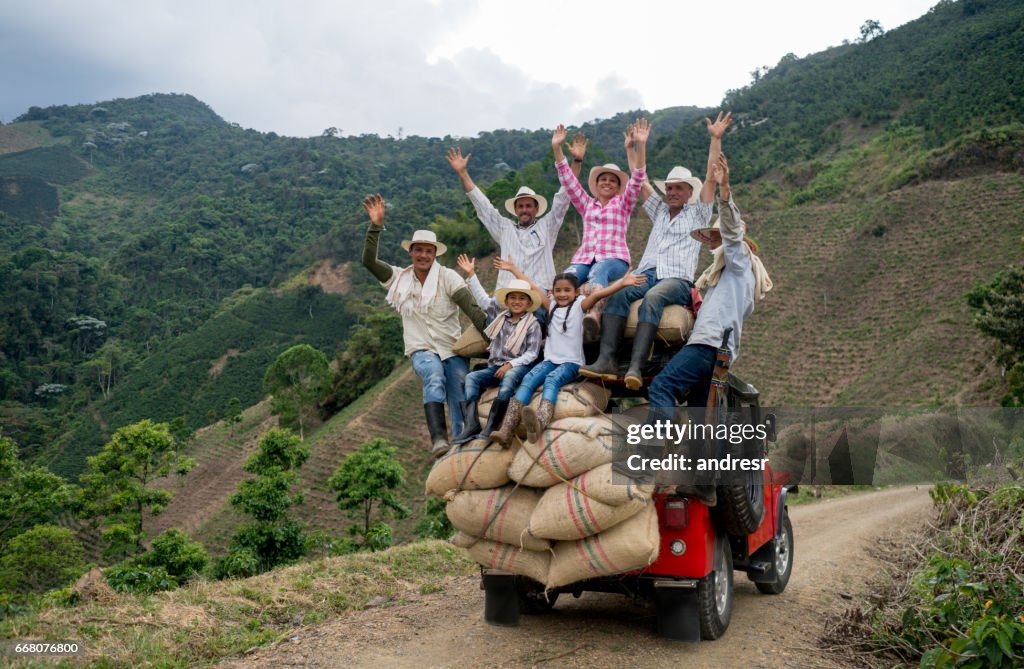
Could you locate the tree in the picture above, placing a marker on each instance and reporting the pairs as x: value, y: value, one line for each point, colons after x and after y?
x: 29, y: 496
x: 116, y: 488
x: 369, y: 476
x: 870, y: 30
x: 41, y: 559
x: 297, y: 380
x: 373, y: 350
x: 274, y: 538
x: 233, y: 413
x: 999, y: 313
x: 179, y: 555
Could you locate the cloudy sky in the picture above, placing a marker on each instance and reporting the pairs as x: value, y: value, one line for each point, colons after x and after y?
x: 428, y: 67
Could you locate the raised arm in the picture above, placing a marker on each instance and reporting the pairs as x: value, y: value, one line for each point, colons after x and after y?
x: 716, y: 130
x: 566, y: 176
x: 374, y: 206
x: 509, y: 266
x: 729, y: 222
x: 638, y: 173
x: 629, y: 279
x: 645, y: 189
x: 578, y: 149
x: 460, y: 164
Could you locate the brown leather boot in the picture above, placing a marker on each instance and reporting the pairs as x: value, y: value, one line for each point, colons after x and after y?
x: 513, y: 414
x: 536, y: 421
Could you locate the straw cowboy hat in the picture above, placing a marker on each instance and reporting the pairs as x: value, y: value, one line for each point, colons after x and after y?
x: 526, y: 191
x: 424, y: 237
x: 681, y: 174
x: 708, y: 235
x: 519, y: 286
x: 612, y: 168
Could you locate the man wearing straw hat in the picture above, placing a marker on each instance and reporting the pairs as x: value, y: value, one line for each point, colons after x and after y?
x: 528, y: 241
x: 669, y: 260
x: 428, y: 296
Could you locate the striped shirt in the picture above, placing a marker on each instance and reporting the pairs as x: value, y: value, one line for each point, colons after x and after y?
x: 670, y: 248
x: 530, y: 248
x: 498, y: 356
x: 604, y: 228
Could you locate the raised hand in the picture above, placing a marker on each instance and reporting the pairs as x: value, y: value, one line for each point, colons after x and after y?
x: 717, y: 129
x: 578, y: 148
x: 720, y: 171
x: 627, y: 138
x: 467, y: 265
x: 641, y: 130
x: 374, y: 206
x: 559, y: 135
x: 508, y: 266
x: 457, y: 160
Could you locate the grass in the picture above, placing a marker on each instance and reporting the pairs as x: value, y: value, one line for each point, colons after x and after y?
x: 205, y: 622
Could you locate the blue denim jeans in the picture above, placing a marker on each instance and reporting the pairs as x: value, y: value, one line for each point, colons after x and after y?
x: 484, y: 378
x: 601, y: 273
x: 690, y: 369
x: 656, y: 296
x: 442, y: 380
x: 552, y: 375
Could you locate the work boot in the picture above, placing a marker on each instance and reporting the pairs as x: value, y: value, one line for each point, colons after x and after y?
x: 536, y: 421
x: 607, y: 365
x: 513, y: 415
x: 470, y: 422
x: 592, y: 319
x: 704, y: 493
x: 494, y: 418
x: 642, y: 341
x: 438, y: 428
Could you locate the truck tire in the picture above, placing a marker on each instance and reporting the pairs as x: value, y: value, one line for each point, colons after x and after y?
x: 741, y: 507
x: 782, y: 549
x: 714, y: 593
x: 532, y: 599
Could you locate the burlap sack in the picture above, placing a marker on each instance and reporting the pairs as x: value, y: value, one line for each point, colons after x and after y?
x: 566, y: 449
x: 566, y: 513
x: 462, y: 540
x: 472, y: 466
x: 575, y: 400
x: 632, y: 544
x: 493, y: 555
x: 471, y: 344
x: 676, y: 323
x: 500, y: 514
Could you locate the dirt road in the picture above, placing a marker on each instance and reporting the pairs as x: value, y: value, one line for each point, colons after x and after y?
x: 833, y: 555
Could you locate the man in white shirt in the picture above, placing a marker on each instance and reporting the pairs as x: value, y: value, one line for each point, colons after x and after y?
x: 529, y: 240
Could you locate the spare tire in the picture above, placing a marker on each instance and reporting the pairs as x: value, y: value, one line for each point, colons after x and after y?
x: 741, y: 507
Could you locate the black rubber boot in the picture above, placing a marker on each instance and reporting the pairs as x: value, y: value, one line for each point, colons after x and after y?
x: 494, y: 418
x: 470, y: 422
x: 607, y: 365
x: 642, y: 341
x: 438, y: 428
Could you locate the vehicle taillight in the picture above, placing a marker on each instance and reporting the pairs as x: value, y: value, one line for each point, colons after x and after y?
x: 675, y: 513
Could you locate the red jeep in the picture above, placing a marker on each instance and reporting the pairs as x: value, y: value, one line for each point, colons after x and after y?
x: 691, y: 581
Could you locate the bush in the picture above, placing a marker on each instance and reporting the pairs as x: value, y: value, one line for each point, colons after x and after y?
x: 181, y: 556
x: 139, y: 579
x: 273, y: 544
x: 380, y: 537
x: 435, y: 523
x: 238, y: 563
x: 41, y: 559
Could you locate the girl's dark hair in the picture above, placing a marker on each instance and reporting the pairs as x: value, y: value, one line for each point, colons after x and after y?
x: 575, y: 282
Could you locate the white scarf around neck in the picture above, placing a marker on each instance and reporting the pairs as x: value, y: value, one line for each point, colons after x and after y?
x: 400, y: 293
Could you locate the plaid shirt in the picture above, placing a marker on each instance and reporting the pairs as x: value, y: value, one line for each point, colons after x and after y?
x: 670, y: 248
x: 604, y: 228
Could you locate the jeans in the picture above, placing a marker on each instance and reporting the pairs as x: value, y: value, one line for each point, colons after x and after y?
x: 601, y: 273
x: 552, y: 375
x: 657, y: 294
x: 690, y: 369
x: 484, y: 378
x: 442, y: 380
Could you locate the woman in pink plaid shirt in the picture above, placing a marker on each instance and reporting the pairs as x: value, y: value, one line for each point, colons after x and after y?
x: 603, y: 257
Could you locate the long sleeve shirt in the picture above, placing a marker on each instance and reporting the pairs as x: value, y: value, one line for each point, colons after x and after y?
x: 604, y: 227
x: 728, y: 303
x: 529, y: 248
x: 497, y: 354
x: 670, y: 248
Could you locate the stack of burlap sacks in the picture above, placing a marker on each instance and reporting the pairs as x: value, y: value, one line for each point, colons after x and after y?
x: 549, y: 510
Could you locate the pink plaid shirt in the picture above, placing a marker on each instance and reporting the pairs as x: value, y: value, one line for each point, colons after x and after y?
x: 604, y: 228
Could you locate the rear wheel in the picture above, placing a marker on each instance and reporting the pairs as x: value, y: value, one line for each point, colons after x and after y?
x: 714, y: 593
x: 782, y: 551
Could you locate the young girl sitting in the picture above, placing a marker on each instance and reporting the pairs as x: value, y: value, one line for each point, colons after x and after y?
x: 563, y: 352
x: 515, y: 337
x: 603, y: 256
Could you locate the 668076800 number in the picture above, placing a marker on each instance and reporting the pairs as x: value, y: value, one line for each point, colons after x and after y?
x: 19, y: 647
